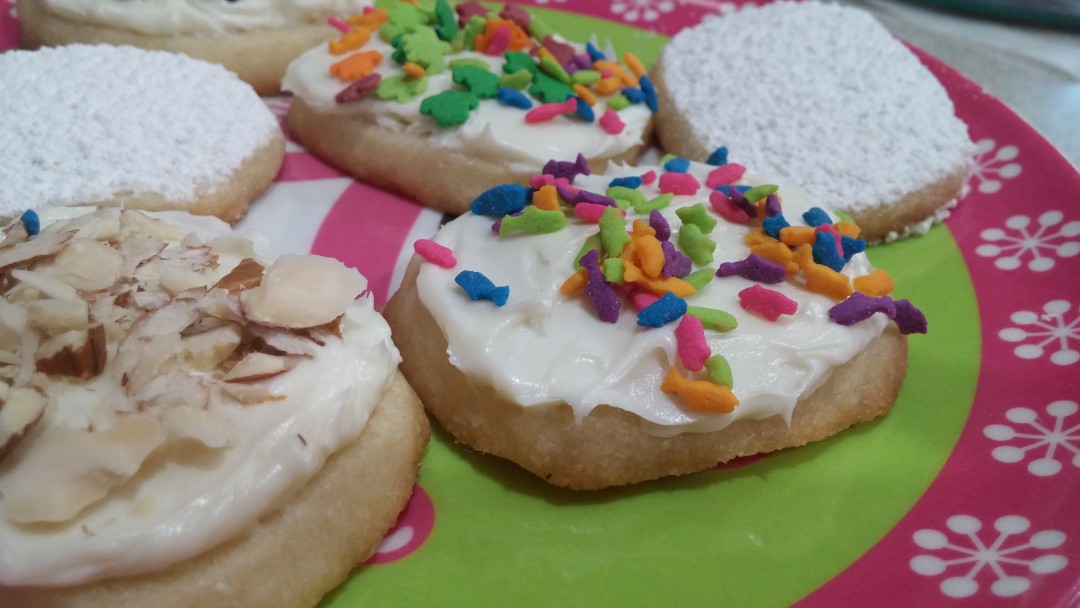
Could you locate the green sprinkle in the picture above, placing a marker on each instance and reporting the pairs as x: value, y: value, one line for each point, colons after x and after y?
x: 618, y: 102
x: 657, y: 203
x: 449, y: 108
x: 516, y: 61
x: 533, y: 220
x: 518, y: 80
x: 447, y: 20
x: 843, y: 216
x: 425, y: 49
x: 700, y: 278
x: 625, y: 197
x: 585, y: 77
x: 696, y: 215
x: 480, y: 82
x: 552, y: 68
x: 719, y: 370
x: 400, y: 88
x: 472, y: 29
x: 468, y: 61
x: 759, y: 192
x: 695, y: 244
x: 665, y: 158
x: 591, y: 242
x: 549, y: 90
x: 613, y: 234
x: 402, y: 18
x: 712, y: 318
x: 539, y: 29
x: 613, y: 268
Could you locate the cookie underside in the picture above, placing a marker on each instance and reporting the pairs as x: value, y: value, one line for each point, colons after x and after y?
x: 610, y: 446
x: 259, y: 57
x: 296, y: 554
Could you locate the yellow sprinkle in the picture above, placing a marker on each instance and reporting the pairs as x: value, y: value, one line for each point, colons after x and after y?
x: 414, y: 70
x: 575, y: 283
x: 546, y: 198
x: 875, y: 284
x: 585, y: 94
x: 609, y: 86
x: 634, y: 64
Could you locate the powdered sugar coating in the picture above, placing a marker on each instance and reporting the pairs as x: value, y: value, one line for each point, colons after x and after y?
x: 820, y: 94
x: 85, y: 123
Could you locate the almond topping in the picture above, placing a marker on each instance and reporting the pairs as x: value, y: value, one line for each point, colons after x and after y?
x: 19, y: 412
x: 78, y: 353
x: 247, y: 274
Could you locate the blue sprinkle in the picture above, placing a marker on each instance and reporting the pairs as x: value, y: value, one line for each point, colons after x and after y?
x: 718, y: 156
x: 501, y: 200
x: 825, y: 251
x: 512, y: 97
x: 479, y: 287
x: 633, y: 95
x: 650, y: 93
x: 772, y: 225
x: 594, y: 53
x: 815, y: 217
x: 677, y: 165
x: 663, y: 311
x: 31, y: 222
x: 851, y: 246
x: 584, y: 111
x: 626, y: 182
x: 723, y: 188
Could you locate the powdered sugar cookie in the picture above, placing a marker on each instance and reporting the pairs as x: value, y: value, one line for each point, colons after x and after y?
x: 183, y: 417
x: 443, y: 105
x: 254, y: 38
x: 142, y: 129
x: 687, y: 337
x: 832, y: 101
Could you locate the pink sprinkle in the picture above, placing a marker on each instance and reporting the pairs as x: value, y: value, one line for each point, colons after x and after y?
x: 500, y: 41
x: 547, y: 111
x: 642, y: 298
x: 727, y: 208
x: 830, y: 229
x: 546, y: 179
x: 606, y: 73
x: 611, y: 122
x: 678, y: 183
x: 690, y: 337
x: 369, y: 9
x: 767, y: 302
x: 649, y: 177
x: 339, y: 23
x: 591, y: 212
x: 435, y: 253
x: 724, y: 175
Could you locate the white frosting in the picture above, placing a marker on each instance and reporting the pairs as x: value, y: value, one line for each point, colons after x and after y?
x: 170, y: 17
x: 543, y: 347
x: 189, y: 498
x: 493, y: 132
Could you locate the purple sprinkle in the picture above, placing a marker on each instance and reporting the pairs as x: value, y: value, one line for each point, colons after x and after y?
x: 496, y: 226
x: 859, y: 307
x: 909, y: 320
x: 676, y: 264
x: 739, y: 199
x: 603, y: 296
x: 583, y: 196
x: 754, y: 268
x: 772, y: 205
x: 659, y: 223
x: 567, y: 169
x: 583, y: 61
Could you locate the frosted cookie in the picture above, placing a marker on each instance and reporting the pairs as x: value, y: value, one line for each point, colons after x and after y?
x: 254, y: 38
x: 823, y: 95
x: 142, y: 129
x: 442, y: 105
x: 596, y: 349
x: 185, y: 422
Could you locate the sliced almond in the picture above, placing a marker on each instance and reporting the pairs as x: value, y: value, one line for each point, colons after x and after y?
x: 249, y: 393
x: 208, y: 349
x: 86, y: 265
x: 257, y: 366
x: 135, y: 249
x: 20, y: 411
x: 302, y: 291
x: 174, y: 388
x: 79, y: 354
x: 42, y: 283
x: 38, y: 247
x: 137, y: 222
x: 208, y: 428
x: 247, y: 274
x: 56, y: 316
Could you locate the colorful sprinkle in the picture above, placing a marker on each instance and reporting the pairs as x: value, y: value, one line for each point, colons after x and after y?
x: 825, y: 250
x: 695, y: 214
x: 435, y: 253
x: 517, y: 80
x: 860, y: 307
x: 510, y: 97
x: 31, y: 222
x: 356, y: 66
x: 359, y: 89
x: 663, y: 311
x: 603, y: 296
x: 875, y: 284
x: 725, y: 174
x: 816, y: 216
x: 719, y: 371
x: 533, y: 221
x: 772, y: 205
x: 760, y: 191
x: 633, y: 95
x: 713, y: 318
x: 625, y: 182
x: 501, y: 200
x: 694, y: 243
x: 660, y: 224
x: 339, y: 23
x: 677, y: 165
x: 675, y: 263
x: 611, y: 122
x: 700, y: 395
x: 594, y: 53
x: 650, y: 94
x: 727, y: 208
x: 768, y: 303
x: 479, y: 81
x: 678, y: 183
x: 590, y: 212
x: 549, y: 111
x: 718, y: 158
x: 654, y: 204
x: 909, y: 320
x: 479, y: 287
x: 691, y: 344
x: 701, y: 277
x: 754, y: 268
x: 584, y: 111
x: 449, y: 108
x: 613, y: 271
x: 773, y: 225
x: 567, y: 169
x: 613, y: 234
x: 618, y: 102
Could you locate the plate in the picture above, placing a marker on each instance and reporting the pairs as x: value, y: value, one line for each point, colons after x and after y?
x: 965, y: 494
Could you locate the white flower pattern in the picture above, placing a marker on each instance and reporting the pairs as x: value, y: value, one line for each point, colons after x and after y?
x: 649, y: 11
x: 1041, y: 243
x: 1007, y: 561
x: 1050, y: 327
x: 991, y: 169
x: 1055, y: 439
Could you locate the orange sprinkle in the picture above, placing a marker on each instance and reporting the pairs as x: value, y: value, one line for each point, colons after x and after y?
x: 575, y: 283
x: 519, y: 40
x: 876, y: 284
x: 803, y: 256
x: 629, y: 253
x: 350, y: 41
x: 414, y: 70
x: 356, y: 66
x: 609, y: 86
x: 634, y: 64
x: 546, y: 198
x: 585, y: 94
x: 777, y: 252
x: 617, y: 71
x: 849, y: 229
x: 826, y: 281
x: 370, y: 20
x: 659, y: 285
x: 757, y: 237
x: 700, y: 396
x: 648, y: 248
x: 544, y: 52
x: 793, y: 236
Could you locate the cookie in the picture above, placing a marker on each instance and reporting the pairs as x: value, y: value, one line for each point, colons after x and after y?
x: 141, y: 129
x: 183, y: 417
x: 832, y: 102
x: 441, y: 106
x: 688, y: 336
x: 256, y: 39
